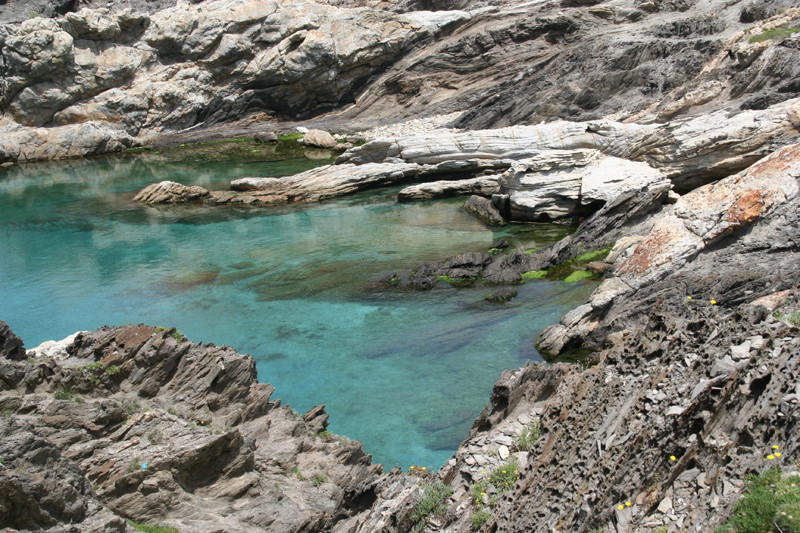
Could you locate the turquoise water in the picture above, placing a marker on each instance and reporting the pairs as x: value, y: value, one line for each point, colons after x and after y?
x: 404, y: 372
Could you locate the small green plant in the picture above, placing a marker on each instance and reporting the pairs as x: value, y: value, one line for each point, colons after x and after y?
x: 319, y: 479
x: 132, y: 406
x: 792, y: 317
x: 149, y: 528
x: 92, y: 367
x: 159, y: 329
x: 664, y: 529
x: 529, y: 436
x: 134, y: 464
x: 31, y: 360
x: 7, y: 413
x: 505, y: 476
x: 774, y: 33
x: 64, y: 394
x: 433, y: 503
x: 155, y: 436
x: 771, y: 503
x: 2, y: 460
x: 479, y: 517
x: 324, y: 435
x: 178, y: 336
x: 112, y: 370
x: 172, y: 411
x: 79, y: 399
x: 290, y: 136
x: 296, y: 472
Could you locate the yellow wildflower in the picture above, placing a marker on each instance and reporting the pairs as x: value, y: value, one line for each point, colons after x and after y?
x: 713, y: 302
x: 412, y: 467
x: 688, y: 297
x: 673, y: 458
x: 424, y: 467
x: 770, y: 457
x: 777, y: 454
x: 628, y: 504
x: 775, y: 447
x: 620, y: 506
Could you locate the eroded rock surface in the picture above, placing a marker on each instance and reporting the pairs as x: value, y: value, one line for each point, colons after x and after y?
x: 138, y: 422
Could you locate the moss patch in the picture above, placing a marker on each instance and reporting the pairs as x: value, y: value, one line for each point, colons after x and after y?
x: 774, y: 33
x: 578, y: 275
x: 534, y: 274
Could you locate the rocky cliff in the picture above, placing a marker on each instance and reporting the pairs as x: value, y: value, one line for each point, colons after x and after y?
x: 98, y: 80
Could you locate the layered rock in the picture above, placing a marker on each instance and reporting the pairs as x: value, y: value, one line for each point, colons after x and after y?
x: 659, y: 433
x: 137, y: 422
x: 134, y: 75
x: 712, y: 224
x: 690, y: 152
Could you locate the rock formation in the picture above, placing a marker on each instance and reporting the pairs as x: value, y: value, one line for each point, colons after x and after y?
x: 670, y: 125
x: 139, y: 423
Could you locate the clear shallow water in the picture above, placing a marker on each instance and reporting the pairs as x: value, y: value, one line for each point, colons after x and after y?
x: 404, y: 372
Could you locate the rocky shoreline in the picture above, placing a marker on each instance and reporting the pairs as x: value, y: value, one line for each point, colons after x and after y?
x: 668, y: 128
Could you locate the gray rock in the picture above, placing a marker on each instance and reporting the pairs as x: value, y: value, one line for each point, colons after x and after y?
x: 266, y: 137
x: 320, y: 139
x: 483, y: 209
x: 170, y: 192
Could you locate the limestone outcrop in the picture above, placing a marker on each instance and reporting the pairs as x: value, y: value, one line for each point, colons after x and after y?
x: 138, y: 422
x: 131, y: 76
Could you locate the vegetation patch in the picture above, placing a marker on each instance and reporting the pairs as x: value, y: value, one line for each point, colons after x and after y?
x: 529, y: 436
x: 774, y: 33
x: 456, y: 282
x: 432, y: 504
x: 771, y: 503
x: 319, y: 479
x: 149, y: 528
x: 578, y: 275
x: 534, y: 274
x: 792, y: 317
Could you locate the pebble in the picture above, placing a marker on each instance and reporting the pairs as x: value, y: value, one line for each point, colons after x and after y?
x: 503, y: 452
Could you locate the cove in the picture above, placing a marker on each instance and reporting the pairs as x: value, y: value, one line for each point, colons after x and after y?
x: 405, y: 372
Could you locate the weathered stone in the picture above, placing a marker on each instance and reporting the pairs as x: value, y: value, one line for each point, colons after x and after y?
x: 266, y: 137
x: 170, y: 192
x: 481, y: 186
x: 320, y: 139
x: 483, y: 209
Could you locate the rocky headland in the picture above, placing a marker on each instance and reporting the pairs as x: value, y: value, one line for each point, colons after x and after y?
x: 667, y: 129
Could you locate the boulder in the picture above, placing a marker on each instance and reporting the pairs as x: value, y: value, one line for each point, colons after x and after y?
x: 320, y: 139
x: 266, y: 137
x: 483, y: 209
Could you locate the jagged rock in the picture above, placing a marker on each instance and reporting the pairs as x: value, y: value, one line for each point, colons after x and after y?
x: 170, y: 192
x: 10, y: 345
x: 483, y: 209
x: 139, y: 420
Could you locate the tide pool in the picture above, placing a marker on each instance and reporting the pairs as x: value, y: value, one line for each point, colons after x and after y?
x: 404, y: 372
